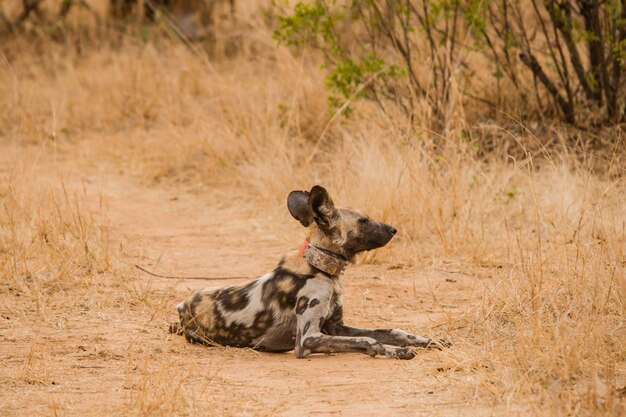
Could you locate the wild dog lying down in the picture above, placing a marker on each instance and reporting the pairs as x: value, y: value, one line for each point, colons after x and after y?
x: 299, y: 305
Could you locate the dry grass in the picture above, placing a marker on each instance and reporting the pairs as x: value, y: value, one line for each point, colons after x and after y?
x: 544, y: 237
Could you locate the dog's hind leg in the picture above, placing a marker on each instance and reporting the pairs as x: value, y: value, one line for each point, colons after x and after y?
x: 192, y: 334
x: 195, y: 336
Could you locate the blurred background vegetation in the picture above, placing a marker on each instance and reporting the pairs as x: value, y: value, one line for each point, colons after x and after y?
x: 439, y: 65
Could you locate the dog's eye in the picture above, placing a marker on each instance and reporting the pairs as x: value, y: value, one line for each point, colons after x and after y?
x: 363, y: 220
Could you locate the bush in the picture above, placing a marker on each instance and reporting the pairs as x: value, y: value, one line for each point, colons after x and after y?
x: 401, y: 52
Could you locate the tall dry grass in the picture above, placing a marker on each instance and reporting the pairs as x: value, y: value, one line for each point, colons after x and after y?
x: 55, y: 257
x: 51, y: 247
x: 543, y: 235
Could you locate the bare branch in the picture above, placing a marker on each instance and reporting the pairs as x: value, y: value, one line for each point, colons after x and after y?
x: 564, y: 24
x: 531, y: 62
x: 29, y: 6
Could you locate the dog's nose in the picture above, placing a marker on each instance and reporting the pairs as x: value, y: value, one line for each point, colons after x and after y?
x: 392, y: 230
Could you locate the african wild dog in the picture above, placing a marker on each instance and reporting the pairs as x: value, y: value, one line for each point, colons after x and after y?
x: 299, y: 305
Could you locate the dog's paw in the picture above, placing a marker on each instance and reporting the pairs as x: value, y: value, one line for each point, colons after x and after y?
x: 176, y: 328
x: 439, y: 344
x: 403, y: 353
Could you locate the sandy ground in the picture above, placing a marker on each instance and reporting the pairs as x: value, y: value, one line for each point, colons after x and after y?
x: 120, y: 360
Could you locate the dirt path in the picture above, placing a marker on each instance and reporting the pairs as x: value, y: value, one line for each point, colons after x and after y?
x: 122, y: 361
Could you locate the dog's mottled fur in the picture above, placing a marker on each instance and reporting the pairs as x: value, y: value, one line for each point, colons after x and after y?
x: 297, y: 306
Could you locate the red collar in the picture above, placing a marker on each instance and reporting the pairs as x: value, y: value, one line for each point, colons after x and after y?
x: 305, y: 243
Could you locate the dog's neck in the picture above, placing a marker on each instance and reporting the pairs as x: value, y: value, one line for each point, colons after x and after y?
x: 323, y: 259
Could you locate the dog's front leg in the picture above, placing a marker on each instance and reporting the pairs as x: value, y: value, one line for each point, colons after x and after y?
x: 310, y: 339
x: 395, y: 337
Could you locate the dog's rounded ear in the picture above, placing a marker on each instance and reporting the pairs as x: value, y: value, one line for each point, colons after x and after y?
x: 321, y: 206
x: 298, y: 205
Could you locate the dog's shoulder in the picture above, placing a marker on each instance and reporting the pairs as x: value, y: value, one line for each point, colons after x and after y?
x: 288, y: 278
x: 296, y: 265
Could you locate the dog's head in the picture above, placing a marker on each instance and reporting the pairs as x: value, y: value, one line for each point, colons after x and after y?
x: 340, y: 230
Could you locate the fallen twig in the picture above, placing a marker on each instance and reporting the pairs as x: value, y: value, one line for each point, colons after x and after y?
x: 182, y: 277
